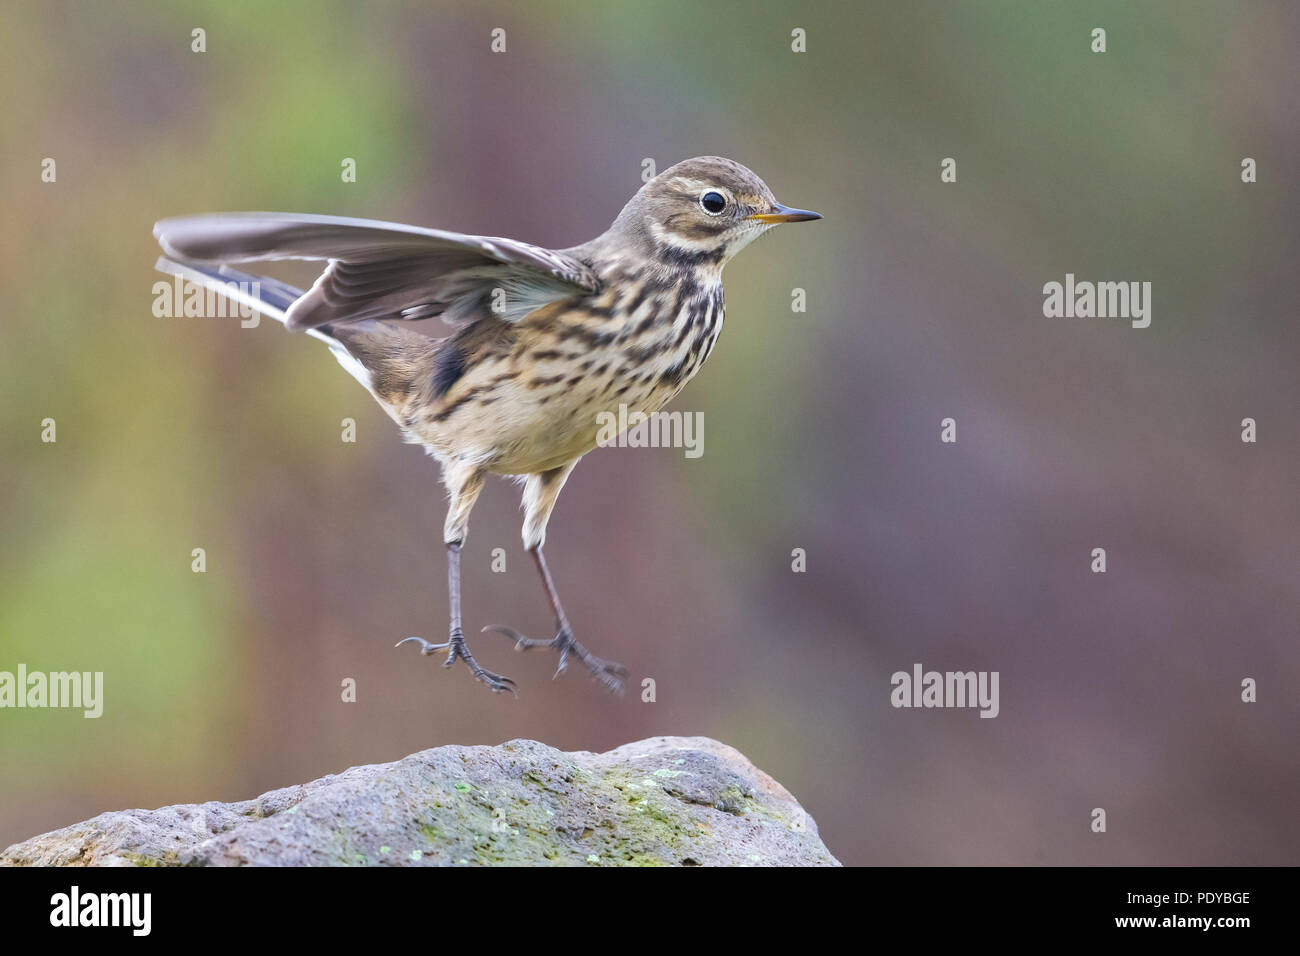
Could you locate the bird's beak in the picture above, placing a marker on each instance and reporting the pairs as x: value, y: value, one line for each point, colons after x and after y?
x: 781, y: 213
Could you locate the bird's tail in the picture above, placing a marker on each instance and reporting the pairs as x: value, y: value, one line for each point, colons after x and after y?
x: 270, y: 297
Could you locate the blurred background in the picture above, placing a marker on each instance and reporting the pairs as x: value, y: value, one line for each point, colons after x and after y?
x: 1118, y: 690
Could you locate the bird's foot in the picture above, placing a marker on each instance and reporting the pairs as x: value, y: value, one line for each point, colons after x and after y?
x: 609, y: 673
x: 456, y: 647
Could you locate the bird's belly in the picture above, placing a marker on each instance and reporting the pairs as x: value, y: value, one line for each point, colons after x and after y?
x: 524, y: 428
x: 543, y: 434
x: 519, y: 416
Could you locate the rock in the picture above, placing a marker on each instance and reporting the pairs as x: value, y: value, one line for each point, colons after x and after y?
x: 666, y: 801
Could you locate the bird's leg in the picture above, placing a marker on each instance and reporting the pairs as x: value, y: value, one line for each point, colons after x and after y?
x: 540, y: 494
x: 455, y: 645
x: 609, y: 673
x: 464, y: 491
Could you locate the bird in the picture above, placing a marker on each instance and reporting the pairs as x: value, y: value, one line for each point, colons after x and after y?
x: 542, y: 341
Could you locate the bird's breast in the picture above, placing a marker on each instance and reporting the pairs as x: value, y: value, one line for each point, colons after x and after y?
x: 667, y: 333
x: 574, y: 363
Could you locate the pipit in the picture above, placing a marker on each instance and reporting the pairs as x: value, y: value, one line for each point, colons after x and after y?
x: 544, y: 340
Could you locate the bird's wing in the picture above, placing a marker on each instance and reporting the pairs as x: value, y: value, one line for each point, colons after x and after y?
x: 384, y: 270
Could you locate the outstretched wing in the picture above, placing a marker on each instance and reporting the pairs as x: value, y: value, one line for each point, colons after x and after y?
x: 384, y: 270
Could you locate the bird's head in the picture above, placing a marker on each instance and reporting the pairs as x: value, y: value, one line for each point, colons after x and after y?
x: 702, y: 211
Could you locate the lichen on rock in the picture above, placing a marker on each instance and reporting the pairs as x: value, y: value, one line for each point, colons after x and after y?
x: 665, y: 801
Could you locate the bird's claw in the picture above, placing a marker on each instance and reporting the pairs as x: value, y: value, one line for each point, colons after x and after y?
x: 521, y: 643
x: 609, y: 673
x: 457, y: 649
x: 426, y: 648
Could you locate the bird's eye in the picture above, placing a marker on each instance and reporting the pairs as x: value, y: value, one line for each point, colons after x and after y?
x: 713, y: 202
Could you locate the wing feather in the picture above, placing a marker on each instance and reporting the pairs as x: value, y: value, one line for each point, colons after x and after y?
x: 382, y: 269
